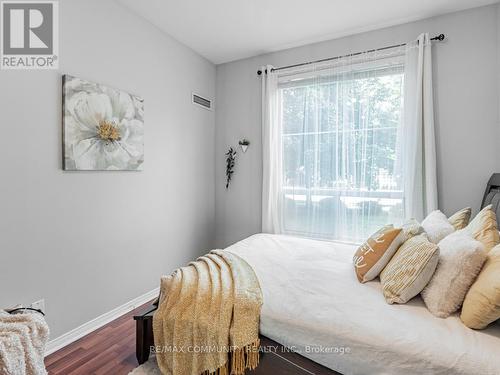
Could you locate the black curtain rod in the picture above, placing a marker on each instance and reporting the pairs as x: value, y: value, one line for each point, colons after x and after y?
x: 440, y: 37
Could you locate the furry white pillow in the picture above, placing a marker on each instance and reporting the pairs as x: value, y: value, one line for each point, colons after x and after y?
x: 437, y: 226
x: 460, y: 261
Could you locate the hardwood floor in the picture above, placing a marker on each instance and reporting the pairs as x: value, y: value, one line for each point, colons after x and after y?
x: 108, y: 350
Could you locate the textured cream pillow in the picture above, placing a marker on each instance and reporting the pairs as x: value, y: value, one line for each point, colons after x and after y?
x: 484, y: 228
x: 409, y: 270
x: 482, y: 303
x: 437, y: 226
x: 411, y: 228
x: 460, y: 219
x: 460, y: 260
x: 375, y: 253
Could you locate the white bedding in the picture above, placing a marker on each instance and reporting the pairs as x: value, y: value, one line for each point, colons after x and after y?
x: 312, y: 298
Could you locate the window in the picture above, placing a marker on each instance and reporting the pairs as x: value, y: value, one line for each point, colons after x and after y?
x: 341, y: 176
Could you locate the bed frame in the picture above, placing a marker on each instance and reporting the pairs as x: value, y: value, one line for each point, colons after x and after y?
x: 277, y: 361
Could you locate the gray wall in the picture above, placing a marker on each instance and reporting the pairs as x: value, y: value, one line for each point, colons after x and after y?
x: 88, y: 242
x: 466, y: 77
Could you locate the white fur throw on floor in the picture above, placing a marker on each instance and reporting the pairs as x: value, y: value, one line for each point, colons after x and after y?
x: 437, y: 226
x: 148, y: 368
x: 460, y: 261
x: 22, y: 343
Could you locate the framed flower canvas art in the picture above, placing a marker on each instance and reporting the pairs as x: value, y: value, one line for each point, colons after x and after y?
x: 103, y: 128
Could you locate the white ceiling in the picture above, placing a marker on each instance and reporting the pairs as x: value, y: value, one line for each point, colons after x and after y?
x: 226, y: 30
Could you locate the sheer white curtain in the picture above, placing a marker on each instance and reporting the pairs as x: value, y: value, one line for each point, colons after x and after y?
x: 419, y: 145
x: 272, y: 153
x: 348, y: 146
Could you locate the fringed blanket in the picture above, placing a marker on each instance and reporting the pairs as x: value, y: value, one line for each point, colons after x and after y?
x: 22, y: 344
x: 207, y: 320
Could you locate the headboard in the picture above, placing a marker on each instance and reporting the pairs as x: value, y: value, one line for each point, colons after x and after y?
x: 492, y: 194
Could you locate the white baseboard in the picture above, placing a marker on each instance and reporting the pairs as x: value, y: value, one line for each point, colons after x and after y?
x: 86, y: 328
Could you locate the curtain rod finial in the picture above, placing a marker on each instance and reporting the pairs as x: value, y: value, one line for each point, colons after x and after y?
x: 440, y: 37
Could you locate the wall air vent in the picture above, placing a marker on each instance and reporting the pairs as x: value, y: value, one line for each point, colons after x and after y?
x: 202, y: 102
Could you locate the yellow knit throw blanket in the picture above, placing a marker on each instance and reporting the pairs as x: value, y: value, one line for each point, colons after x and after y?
x: 207, y: 320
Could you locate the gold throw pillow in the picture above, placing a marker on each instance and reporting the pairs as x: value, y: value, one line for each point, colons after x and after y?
x: 484, y: 228
x: 372, y: 256
x: 460, y: 219
x: 482, y: 303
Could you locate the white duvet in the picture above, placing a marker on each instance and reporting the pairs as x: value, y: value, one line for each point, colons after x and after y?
x: 314, y: 304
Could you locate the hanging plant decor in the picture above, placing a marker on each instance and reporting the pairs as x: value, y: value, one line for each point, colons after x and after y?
x: 230, y: 161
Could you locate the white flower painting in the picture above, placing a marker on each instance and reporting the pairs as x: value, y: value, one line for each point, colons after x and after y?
x: 103, y: 128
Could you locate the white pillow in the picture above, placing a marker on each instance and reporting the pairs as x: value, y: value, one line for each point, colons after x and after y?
x: 460, y: 261
x: 437, y: 226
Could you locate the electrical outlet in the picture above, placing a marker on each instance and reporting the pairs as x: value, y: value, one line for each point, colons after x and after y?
x: 40, y: 305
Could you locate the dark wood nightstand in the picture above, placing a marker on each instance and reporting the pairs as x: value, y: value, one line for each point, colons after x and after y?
x: 144, y: 333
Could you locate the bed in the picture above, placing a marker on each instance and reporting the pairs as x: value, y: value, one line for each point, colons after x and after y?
x: 314, y: 304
